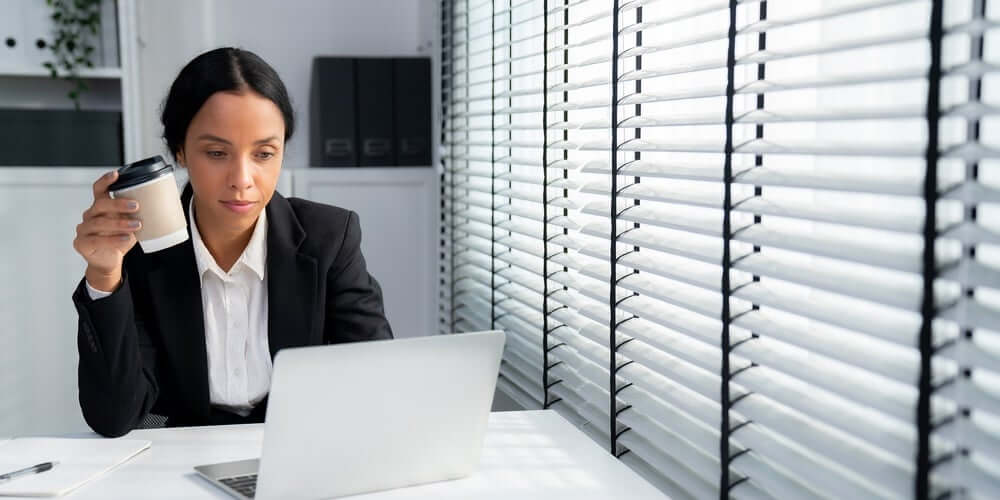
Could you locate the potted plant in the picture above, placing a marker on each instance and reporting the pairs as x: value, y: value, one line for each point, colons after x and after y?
x: 76, y: 24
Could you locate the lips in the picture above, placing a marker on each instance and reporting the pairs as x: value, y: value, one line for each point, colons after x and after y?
x: 239, y: 206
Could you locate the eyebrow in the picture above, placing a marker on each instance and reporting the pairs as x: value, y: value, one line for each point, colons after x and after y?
x: 214, y: 138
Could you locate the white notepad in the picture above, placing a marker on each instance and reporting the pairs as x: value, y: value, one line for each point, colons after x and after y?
x: 80, y: 461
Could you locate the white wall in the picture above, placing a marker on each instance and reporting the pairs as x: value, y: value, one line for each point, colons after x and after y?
x: 286, y: 35
x: 169, y: 34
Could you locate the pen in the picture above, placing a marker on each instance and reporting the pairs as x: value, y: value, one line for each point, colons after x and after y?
x: 34, y: 469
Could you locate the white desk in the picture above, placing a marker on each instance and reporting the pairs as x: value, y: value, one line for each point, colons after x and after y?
x: 527, y: 454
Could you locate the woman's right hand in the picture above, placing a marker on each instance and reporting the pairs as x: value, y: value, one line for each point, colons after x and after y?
x: 106, y: 234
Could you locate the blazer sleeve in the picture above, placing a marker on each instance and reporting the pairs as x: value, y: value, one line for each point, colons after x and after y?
x: 117, y: 361
x: 354, y: 309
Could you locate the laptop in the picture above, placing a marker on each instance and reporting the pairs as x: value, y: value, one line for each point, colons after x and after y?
x: 353, y: 418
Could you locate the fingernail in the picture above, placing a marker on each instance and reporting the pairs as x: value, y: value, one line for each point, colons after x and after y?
x: 109, y: 174
x: 132, y: 205
x: 133, y: 223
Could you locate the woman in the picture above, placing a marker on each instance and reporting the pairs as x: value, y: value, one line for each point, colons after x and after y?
x: 190, y: 332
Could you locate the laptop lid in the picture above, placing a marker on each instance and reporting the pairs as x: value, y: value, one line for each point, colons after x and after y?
x: 351, y: 418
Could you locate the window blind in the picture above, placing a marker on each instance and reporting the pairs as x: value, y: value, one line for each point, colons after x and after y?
x: 749, y: 246
x: 491, y: 183
x: 968, y: 261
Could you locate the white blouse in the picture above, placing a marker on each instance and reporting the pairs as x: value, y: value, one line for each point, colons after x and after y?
x: 234, y: 305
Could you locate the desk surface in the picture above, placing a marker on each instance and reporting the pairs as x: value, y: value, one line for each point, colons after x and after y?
x: 527, y: 454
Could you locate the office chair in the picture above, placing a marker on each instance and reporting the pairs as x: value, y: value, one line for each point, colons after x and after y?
x: 152, y: 421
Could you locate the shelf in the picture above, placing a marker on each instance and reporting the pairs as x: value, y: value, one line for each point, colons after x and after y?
x: 367, y: 167
x: 40, y: 72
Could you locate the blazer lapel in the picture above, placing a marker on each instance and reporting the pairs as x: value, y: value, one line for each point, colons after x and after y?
x: 292, y: 279
x: 176, y: 298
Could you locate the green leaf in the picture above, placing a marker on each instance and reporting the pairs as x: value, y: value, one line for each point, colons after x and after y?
x: 75, y: 22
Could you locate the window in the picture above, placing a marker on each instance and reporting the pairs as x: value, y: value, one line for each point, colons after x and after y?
x: 717, y: 212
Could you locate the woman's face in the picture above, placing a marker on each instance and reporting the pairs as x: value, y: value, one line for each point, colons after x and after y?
x: 233, y: 151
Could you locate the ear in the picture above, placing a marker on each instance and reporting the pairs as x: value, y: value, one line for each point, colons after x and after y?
x: 179, y: 156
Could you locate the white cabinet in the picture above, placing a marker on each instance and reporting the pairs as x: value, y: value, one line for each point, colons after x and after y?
x: 398, y: 211
x: 39, y: 211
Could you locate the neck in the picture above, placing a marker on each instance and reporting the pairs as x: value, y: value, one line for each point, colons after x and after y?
x: 226, y: 244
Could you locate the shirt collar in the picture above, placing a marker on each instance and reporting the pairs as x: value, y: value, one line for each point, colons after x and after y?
x: 254, y: 256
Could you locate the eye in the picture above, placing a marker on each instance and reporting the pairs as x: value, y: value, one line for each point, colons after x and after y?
x: 265, y: 155
x: 216, y: 154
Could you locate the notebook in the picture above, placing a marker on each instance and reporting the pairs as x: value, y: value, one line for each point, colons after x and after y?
x: 80, y: 461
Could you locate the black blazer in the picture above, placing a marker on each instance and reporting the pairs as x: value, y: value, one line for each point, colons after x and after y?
x: 142, y: 349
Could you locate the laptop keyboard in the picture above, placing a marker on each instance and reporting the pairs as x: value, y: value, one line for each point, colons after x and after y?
x: 246, y: 485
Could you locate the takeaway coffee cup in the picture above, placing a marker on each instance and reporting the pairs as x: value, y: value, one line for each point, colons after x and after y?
x: 151, y: 183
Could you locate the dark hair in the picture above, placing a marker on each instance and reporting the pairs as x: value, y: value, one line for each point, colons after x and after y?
x: 220, y: 70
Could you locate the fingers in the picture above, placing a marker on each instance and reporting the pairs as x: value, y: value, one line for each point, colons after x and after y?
x: 121, y: 207
x: 102, y: 183
x: 88, y: 245
x: 106, y: 233
x: 108, y: 226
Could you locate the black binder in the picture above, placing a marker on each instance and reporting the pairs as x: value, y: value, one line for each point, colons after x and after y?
x: 412, y: 91
x: 333, y: 120
x: 375, y: 103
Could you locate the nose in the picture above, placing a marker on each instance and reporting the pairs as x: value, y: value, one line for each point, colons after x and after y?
x: 240, y: 178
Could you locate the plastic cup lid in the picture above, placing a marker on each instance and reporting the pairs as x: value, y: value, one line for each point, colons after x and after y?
x: 141, y: 172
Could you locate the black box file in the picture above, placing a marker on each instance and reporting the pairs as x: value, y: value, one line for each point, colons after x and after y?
x: 332, y: 120
x: 370, y: 112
